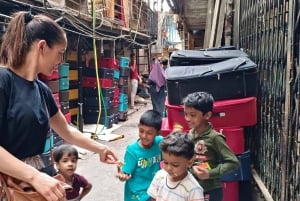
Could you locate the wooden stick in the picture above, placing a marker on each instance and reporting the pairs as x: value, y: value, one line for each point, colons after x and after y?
x: 221, y: 20
x: 207, y: 35
x: 236, y: 22
x: 261, y: 186
x: 214, y: 24
x: 228, y: 22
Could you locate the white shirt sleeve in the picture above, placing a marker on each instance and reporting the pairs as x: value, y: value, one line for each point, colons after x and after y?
x: 154, y: 186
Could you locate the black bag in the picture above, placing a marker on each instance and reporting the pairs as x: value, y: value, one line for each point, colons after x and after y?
x: 204, y: 56
x: 233, y: 78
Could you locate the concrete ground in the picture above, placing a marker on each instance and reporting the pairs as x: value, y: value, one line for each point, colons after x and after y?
x: 106, y: 187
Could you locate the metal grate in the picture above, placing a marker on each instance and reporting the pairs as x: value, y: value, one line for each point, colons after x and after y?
x: 270, y: 34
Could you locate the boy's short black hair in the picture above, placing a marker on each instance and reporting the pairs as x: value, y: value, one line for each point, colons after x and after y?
x: 151, y: 118
x: 201, y: 101
x: 132, y: 55
x: 59, y: 151
x: 178, y: 144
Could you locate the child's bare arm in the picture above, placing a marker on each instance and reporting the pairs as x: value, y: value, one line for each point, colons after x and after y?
x: 85, y: 190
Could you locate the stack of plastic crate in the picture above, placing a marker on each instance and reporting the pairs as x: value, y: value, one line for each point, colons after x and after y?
x: 73, y: 93
x: 53, y: 82
x: 123, y: 88
x: 64, y: 89
x: 100, y: 101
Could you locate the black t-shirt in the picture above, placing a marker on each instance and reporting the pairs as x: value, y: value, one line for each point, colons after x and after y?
x: 24, y: 121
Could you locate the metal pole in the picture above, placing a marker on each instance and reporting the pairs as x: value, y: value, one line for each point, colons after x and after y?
x: 80, y: 99
x: 80, y: 89
x: 287, y: 107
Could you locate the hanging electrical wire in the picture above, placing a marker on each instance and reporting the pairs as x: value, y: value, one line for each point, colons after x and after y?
x: 138, y: 20
x: 80, y: 26
x: 100, y: 97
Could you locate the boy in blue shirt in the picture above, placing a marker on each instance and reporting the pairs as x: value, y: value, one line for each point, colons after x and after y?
x: 142, y: 158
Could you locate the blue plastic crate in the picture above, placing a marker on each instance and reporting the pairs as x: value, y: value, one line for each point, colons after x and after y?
x: 63, y: 70
x: 124, y: 62
x: 116, y: 74
x: 123, y: 98
x: 243, y: 173
x: 49, y: 142
x: 63, y: 84
x: 123, y: 107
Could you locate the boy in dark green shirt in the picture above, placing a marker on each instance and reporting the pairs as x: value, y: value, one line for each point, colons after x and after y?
x: 210, y: 146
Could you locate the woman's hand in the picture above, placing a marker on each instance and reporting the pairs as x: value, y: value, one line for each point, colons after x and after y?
x: 108, y: 156
x: 201, y: 173
x: 49, y: 187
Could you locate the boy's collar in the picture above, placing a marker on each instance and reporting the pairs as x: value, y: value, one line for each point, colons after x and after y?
x: 205, y: 132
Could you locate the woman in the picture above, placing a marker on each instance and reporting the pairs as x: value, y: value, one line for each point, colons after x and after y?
x: 32, y: 45
x: 157, y: 81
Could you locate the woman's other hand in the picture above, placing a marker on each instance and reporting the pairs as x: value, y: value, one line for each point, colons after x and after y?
x: 49, y: 187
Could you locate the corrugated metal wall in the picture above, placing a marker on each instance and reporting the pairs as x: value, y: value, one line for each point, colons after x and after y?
x: 270, y: 33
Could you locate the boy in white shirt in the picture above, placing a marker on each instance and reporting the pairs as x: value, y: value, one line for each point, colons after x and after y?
x: 174, y: 182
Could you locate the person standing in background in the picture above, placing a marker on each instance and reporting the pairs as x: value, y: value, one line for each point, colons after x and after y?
x: 164, y: 63
x: 157, y: 81
x: 153, y: 61
x: 134, y: 79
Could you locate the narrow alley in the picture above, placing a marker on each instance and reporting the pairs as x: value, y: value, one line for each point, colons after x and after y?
x: 246, y: 53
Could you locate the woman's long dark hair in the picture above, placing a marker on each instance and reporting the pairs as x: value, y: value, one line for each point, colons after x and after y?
x: 23, y: 30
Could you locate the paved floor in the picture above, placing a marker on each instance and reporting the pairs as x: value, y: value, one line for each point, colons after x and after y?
x: 106, y: 187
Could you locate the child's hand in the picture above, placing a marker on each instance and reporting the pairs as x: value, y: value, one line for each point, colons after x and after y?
x: 177, y: 127
x: 121, y: 175
x: 201, y: 173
